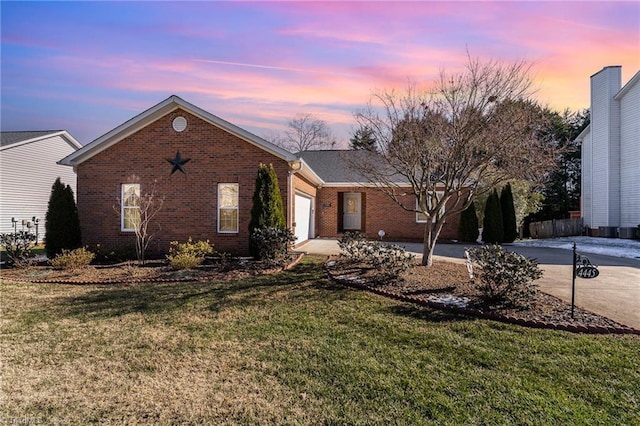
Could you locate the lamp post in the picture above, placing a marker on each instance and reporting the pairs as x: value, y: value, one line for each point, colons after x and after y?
x: 36, y: 221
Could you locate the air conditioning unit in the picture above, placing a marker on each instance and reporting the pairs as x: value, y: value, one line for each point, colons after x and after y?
x: 608, y: 231
x: 628, y: 233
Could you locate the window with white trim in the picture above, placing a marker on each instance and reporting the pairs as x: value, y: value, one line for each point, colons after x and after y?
x: 130, y: 207
x: 228, y: 208
x: 421, y: 217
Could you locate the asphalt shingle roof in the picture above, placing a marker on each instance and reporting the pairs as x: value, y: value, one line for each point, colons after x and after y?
x: 335, y: 166
x: 9, y: 138
x: 332, y: 165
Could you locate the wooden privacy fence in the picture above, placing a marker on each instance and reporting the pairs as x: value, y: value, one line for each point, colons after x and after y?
x: 556, y: 228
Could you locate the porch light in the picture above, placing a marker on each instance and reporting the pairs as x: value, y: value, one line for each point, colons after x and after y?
x: 296, y: 165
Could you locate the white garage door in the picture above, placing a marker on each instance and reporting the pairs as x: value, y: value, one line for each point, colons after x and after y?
x: 303, y: 218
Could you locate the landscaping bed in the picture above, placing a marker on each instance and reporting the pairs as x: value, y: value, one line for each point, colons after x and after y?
x: 446, y: 285
x: 154, y: 270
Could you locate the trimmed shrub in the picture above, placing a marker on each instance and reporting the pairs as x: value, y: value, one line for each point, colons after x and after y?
x: 468, y: 227
x: 185, y: 261
x: 504, y: 279
x: 389, y: 260
x: 492, y: 232
x: 72, y: 259
x: 272, y: 244
x: 188, y: 255
x: 19, y: 247
x: 509, y: 224
x: 62, y: 227
x: 349, y: 244
x: 267, y: 210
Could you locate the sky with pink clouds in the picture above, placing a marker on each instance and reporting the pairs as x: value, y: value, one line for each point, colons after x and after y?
x: 87, y: 67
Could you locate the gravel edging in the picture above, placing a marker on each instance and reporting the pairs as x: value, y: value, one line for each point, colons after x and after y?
x: 572, y: 328
x: 287, y: 267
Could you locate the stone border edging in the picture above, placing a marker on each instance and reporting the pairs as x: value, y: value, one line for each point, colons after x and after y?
x: 482, y: 314
x: 147, y: 280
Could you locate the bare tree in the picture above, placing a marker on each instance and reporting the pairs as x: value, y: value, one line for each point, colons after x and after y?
x: 147, y: 204
x: 470, y: 132
x: 304, y: 132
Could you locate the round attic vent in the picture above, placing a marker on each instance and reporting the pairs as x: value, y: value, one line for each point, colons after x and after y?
x: 179, y: 124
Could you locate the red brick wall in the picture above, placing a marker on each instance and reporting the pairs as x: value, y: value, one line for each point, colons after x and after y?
x: 379, y: 212
x: 190, y: 206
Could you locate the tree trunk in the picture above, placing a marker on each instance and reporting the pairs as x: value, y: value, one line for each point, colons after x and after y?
x: 431, y: 233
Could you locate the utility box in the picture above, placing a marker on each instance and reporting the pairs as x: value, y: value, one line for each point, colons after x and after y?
x: 608, y: 232
x: 628, y: 233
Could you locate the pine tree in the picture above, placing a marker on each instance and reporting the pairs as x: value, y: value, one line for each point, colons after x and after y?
x: 509, y: 225
x: 62, y: 227
x: 267, y: 210
x: 363, y: 138
x: 468, y: 227
x: 492, y: 229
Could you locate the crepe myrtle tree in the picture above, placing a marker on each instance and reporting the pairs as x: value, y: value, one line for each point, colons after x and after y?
x: 467, y: 133
x: 144, y: 208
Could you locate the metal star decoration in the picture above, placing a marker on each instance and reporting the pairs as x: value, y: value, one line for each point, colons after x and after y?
x: 178, y: 163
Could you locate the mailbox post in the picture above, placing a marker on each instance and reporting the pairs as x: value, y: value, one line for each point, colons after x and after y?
x: 583, y: 268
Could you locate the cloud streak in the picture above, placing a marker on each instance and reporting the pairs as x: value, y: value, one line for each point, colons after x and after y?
x: 258, y: 64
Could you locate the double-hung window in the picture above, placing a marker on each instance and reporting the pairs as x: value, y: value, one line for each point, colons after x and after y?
x: 228, y: 208
x: 130, y: 207
x: 421, y: 217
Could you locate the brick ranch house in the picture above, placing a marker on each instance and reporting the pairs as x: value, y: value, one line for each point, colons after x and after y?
x: 205, y: 169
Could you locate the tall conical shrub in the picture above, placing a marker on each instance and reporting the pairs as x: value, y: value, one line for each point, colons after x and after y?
x: 267, y: 210
x: 509, y: 224
x: 468, y: 227
x: 492, y: 230
x: 62, y: 227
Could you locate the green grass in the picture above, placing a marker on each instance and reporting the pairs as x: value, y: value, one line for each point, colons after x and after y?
x: 293, y: 348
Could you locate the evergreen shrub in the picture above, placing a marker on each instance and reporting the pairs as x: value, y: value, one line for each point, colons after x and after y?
x: 509, y: 225
x: 62, y: 227
x: 505, y: 279
x: 492, y: 229
x: 267, y: 210
x: 468, y: 228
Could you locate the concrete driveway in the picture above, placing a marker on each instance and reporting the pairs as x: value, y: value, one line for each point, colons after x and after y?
x: 615, y: 293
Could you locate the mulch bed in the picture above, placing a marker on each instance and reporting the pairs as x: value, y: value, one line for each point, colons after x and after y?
x: 446, y: 285
x: 152, y: 271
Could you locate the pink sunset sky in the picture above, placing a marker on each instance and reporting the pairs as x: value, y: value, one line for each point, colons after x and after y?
x: 88, y: 67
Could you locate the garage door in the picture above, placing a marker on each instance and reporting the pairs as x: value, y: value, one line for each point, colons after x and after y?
x: 302, y: 217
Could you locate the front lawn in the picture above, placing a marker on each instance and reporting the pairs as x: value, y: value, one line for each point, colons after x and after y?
x: 293, y: 348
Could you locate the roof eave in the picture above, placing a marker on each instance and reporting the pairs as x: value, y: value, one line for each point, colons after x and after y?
x: 66, y: 135
x: 627, y: 86
x: 583, y: 133
x: 307, y: 172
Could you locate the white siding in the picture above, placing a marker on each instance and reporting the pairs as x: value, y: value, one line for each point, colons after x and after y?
x: 605, y: 137
x: 27, y: 173
x: 630, y: 157
x: 586, y: 184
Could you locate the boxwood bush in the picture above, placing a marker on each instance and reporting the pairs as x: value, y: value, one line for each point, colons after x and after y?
x: 72, y: 259
x: 504, y: 278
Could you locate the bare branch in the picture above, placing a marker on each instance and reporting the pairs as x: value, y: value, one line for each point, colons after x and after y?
x: 472, y: 131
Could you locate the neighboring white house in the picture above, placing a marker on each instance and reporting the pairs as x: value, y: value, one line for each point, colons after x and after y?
x: 611, y: 156
x: 28, y: 169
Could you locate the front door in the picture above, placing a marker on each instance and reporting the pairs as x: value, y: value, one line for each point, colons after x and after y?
x: 352, y: 211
